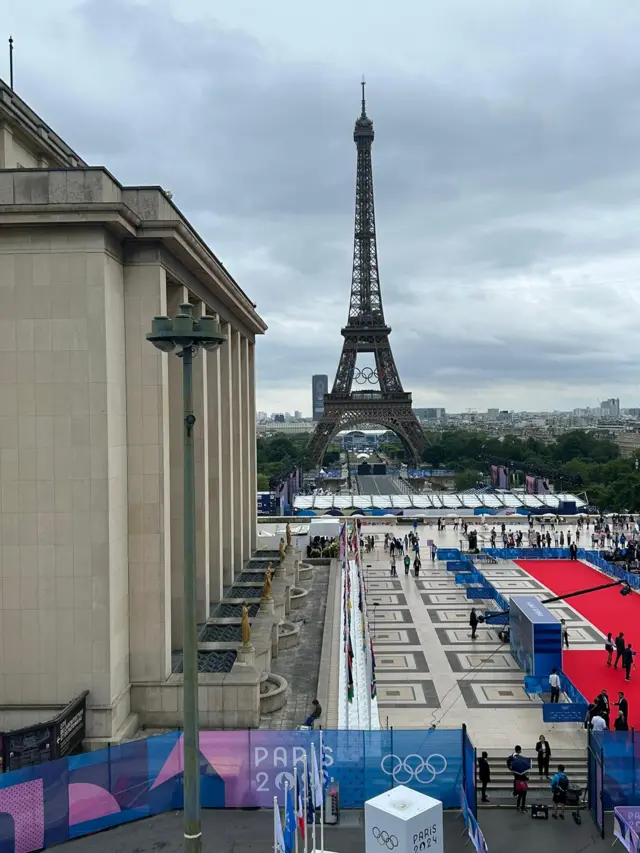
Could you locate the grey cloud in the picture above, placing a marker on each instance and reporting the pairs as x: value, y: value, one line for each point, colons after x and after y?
x: 506, y: 156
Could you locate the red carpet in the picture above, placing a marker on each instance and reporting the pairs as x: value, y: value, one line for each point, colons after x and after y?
x: 608, y: 611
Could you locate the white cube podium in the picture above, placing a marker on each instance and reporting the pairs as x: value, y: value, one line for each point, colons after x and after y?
x: 403, y: 821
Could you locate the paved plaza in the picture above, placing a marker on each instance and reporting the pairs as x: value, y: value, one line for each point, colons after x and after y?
x: 237, y: 831
x: 429, y: 670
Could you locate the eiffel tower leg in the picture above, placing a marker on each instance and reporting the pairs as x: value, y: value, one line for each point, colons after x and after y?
x: 325, y: 430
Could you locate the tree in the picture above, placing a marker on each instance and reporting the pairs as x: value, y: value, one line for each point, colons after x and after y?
x: 263, y: 483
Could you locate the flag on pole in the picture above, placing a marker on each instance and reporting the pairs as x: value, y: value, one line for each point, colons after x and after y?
x: 374, y: 687
x: 289, y: 823
x: 349, y: 681
x: 300, y: 813
x: 279, y: 845
x: 316, y: 786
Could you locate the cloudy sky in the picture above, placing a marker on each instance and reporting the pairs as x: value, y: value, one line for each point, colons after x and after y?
x: 506, y: 167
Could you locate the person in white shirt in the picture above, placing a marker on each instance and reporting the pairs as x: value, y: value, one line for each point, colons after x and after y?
x: 598, y: 724
x: 554, y: 684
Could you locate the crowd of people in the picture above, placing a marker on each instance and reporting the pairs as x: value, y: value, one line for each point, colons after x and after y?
x: 599, y: 713
x: 520, y: 766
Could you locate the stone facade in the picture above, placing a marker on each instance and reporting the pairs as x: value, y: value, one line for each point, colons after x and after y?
x: 91, y: 437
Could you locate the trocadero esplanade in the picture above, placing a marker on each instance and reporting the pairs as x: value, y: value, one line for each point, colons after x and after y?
x: 91, y: 443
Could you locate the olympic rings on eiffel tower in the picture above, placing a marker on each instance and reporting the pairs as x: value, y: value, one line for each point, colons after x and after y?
x: 367, y: 374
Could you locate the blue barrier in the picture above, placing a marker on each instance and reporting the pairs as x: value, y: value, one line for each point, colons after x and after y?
x: 620, y: 752
x: 469, y: 773
x: 449, y: 554
x: 563, y: 712
x: 590, y: 556
x: 456, y: 565
x: 52, y: 802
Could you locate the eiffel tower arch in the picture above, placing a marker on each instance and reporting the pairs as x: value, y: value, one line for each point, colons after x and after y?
x: 349, y: 404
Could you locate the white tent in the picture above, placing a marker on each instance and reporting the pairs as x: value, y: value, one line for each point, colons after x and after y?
x: 328, y: 526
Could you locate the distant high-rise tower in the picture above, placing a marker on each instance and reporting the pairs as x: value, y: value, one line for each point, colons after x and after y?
x: 319, y: 387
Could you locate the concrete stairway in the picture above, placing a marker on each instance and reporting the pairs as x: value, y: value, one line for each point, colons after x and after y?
x: 500, y: 788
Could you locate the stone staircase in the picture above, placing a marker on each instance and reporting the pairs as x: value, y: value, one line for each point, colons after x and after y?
x: 500, y: 788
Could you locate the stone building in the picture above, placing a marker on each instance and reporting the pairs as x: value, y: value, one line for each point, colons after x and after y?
x: 91, y: 434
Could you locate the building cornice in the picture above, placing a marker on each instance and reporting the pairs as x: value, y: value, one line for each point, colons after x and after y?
x: 46, y: 197
x: 21, y: 118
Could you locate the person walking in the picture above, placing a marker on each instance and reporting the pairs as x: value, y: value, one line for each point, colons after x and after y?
x: 394, y: 574
x: 484, y: 774
x: 573, y: 552
x: 609, y: 647
x: 434, y: 552
x: 620, y: 647
x: 544, y: 756
x: 627, y: 660
x: 565, y: 634
x: 554, y: 684
x: 417, y: 565
x: 559, y: 788
x: 407, y: 564
x: 622, y: 704
x: 473, y: 621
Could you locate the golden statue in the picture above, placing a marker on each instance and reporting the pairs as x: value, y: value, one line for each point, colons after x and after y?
x: 281, y: 548
x: 288, y: 534
x: 266, y: 592
x: 246, y: 628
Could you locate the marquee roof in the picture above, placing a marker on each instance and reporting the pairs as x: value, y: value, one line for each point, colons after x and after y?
x: 443, y: 501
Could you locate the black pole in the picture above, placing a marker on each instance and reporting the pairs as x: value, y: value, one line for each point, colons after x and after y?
x: 560, y: 597
x: 11, y: 63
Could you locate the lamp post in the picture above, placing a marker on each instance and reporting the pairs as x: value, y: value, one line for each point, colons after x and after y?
x: 186, y: 335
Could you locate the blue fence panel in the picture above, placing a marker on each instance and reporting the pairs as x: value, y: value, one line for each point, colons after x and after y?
x: 58, y: 800
x: 428, y: 761
x: 621, y: 767
x: 449, y: 554
x: 469, y: 762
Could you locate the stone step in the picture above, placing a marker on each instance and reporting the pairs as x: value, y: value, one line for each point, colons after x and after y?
x: 576, y: 768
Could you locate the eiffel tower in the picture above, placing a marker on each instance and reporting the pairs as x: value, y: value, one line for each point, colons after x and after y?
x: 366, y: 332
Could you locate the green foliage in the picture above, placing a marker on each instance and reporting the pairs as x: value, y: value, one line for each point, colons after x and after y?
x: 467, y: 479
x: 263, y: 483
x: 610, y: 482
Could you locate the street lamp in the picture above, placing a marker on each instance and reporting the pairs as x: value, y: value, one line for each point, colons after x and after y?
x: 186, y: 335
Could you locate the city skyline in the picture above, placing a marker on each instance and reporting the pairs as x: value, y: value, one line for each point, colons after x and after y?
x: 506, y: 175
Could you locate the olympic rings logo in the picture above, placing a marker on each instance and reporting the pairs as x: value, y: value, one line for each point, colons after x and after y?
x: 384, y: 839
x: 413, y: 768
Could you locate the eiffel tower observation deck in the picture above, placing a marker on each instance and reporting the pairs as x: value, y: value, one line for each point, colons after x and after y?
x: 385, y: 403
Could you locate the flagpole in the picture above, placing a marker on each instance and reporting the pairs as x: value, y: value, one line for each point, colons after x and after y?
x: 295, y: 802
x: 323, y: 795
x: 305, y: 787
x: 314, y: 763
x: 276, y: 809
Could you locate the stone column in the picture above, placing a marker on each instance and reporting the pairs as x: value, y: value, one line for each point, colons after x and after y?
x: 249, y: 508
x: 227, y: 448
x: 201, y: 456
x: 148, y: 476
x: 175, y: 295
x: 253, y: 472
x: 238, y: 452
x: 216, y: 492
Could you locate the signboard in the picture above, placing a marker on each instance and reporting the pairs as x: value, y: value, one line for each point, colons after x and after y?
x: 264, y: 503
x: 564, y: 712
x: 70, y: 726
x: 29, y: 746
x: 48, y: 741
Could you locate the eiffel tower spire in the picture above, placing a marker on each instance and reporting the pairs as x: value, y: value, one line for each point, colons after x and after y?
x: 366, y: 330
